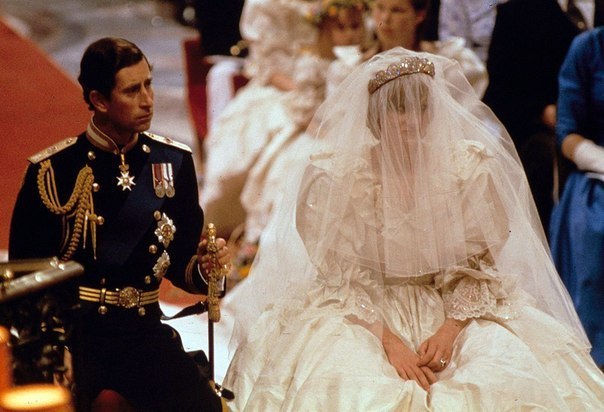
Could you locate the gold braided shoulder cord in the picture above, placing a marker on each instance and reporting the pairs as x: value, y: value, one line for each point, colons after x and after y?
x: 78, y: 205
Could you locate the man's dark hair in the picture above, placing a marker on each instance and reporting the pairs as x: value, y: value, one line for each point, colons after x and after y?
x: 101, y: 62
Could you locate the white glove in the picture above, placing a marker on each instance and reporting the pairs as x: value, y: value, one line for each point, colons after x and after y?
x: 589, y: 156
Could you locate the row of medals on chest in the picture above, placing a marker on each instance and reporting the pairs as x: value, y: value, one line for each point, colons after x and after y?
x: 163, y: 180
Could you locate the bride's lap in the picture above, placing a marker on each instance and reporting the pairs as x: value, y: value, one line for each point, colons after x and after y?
x: 313, y: 360
x: 310, y: 362
x: 325, y: 363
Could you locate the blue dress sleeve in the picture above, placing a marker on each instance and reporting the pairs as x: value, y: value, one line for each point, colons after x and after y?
x: 575, y: 82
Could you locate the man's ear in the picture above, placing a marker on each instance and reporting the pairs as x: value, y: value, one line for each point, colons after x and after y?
x: 98, y: 101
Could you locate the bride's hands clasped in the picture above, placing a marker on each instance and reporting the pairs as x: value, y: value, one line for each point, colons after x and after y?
x: 435, y: 352
x: 432, y: 356
x: 406, y: 362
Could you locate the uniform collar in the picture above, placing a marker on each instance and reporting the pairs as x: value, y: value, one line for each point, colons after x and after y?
x: 102, y: 141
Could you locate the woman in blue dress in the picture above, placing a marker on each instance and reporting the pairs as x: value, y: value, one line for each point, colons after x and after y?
x: 577, y: 225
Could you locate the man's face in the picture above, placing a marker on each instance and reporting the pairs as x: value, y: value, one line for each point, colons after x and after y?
x: 130, y: 107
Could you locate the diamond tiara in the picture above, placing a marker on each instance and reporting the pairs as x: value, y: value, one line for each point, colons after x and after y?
x: 409, y: 65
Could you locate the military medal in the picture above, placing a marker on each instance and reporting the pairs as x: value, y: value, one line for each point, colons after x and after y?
x: 125, y: 181
x: 161, y: 266
x: 163, y: 180
x: 165, y: 230
x: 102, y: 140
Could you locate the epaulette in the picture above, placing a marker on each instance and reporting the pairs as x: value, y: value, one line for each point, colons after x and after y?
x: 55, y: 148
x: 169, y: 142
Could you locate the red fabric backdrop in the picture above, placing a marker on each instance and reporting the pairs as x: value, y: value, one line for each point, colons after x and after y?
x: 39, y: 105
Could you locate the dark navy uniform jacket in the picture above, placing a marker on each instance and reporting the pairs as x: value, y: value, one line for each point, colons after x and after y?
x: 125, y: 240
x: 137, y: 232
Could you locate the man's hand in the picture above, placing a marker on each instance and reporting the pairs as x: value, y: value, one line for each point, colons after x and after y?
x: 223, y: 255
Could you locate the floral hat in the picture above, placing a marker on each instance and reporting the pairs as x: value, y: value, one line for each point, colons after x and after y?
x: 329, y: 8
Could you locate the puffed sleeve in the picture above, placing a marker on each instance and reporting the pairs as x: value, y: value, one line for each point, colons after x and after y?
x: 477, y: 288
x: 575, y: 86
x: 344, y: 284
x: 453, y: 20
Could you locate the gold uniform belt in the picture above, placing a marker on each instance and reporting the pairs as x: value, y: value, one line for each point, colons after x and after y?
x: 126, y: 298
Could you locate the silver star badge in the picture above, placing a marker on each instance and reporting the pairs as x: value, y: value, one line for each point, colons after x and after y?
x: 165, y: 230
x: 161, y: 266
x: 125, y: 181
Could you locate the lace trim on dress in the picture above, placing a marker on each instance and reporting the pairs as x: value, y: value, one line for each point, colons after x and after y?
x: 477, y: 291
x: 470, y: 299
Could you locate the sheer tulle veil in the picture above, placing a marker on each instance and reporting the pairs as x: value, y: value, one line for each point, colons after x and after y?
x: 405, y: 136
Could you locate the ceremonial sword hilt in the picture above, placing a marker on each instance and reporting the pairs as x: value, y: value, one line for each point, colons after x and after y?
x: 214, y: 277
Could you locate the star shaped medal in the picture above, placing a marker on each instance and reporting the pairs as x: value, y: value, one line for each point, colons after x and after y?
x: 125, y: 181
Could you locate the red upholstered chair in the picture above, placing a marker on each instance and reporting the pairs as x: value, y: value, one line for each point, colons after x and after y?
x: 197, y: 69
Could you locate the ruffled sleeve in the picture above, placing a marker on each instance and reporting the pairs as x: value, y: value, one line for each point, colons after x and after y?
x: 343, y: 284
x: 477, y: 289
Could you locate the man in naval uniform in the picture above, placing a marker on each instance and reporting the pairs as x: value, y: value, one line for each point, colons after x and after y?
x: 123, y: 203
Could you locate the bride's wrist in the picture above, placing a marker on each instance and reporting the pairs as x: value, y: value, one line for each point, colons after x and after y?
x: 454, y: 326
x: 389, y: 339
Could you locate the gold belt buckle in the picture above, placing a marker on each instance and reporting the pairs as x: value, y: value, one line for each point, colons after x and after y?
x: 129, y: 297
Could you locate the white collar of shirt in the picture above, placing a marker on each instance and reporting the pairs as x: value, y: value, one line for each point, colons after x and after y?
x: 587, y: 8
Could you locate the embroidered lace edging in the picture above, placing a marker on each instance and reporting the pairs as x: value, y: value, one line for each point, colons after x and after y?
x: 470, y: 293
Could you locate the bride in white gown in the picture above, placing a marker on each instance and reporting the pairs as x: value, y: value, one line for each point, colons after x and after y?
x: 406, y: 268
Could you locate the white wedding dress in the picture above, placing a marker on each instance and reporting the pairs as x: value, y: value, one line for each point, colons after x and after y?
x: 414, y: 209
x: 308, y: 356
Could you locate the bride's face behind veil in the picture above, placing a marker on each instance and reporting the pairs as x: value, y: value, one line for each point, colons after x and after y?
x: 419, y: 203
x: 399, y: 124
